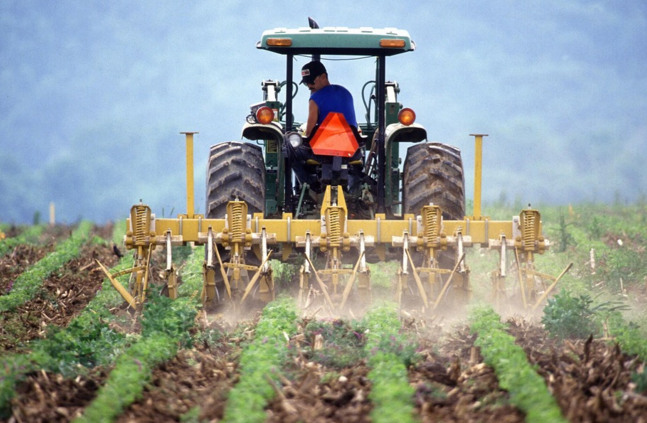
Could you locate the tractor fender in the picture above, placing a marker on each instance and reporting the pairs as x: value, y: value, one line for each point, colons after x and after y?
x: 397, y: 132
x: 258, y: 131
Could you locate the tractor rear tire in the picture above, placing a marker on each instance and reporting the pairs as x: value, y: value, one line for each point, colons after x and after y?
x: 433, y: 173
x: 236, y: 171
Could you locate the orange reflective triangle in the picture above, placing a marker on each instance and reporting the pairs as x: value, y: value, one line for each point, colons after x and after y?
x: 334, y: 137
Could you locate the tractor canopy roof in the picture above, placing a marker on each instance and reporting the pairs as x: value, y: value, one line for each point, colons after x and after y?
x: 337, y: 41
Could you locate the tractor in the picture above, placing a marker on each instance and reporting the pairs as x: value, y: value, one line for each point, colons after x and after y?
x: 257, y: 210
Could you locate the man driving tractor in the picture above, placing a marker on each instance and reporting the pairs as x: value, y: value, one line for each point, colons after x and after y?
x: 325, y: 98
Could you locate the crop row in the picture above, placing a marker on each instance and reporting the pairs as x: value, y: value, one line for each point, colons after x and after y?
x: 389, y: 356
x: 29, y: 236
x: 90, y: 340
x: 166, y: 326
x: 86, y: 342
x: 527, y: 389
x: 260, y: 363
x: 29, y: 282
x: 263, y: 361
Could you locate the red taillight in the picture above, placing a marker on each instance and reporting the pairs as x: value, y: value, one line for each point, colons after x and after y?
x: 407, y: 116
x: 264, y: 115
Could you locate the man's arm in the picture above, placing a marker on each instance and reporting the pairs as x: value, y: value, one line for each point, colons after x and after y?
x: 313, y: 115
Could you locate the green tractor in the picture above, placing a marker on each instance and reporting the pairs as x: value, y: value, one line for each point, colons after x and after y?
x: 358, y: 205
x: 259, y: 170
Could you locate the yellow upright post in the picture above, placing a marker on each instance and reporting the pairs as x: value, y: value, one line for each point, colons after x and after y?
x: 478, y: 170
x: 52, y: 214
x: 190, y: 211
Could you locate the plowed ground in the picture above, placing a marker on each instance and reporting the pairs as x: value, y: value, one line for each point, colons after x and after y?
x: 591, y: 379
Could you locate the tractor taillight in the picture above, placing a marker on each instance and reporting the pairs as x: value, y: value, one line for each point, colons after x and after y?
x: 407, y: 116
x: 264, y: 115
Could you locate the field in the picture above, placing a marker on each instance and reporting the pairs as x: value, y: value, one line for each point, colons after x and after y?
x: 71, y: 351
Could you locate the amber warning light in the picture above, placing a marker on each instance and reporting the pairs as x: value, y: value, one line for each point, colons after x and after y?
x: 279, y: 42
x: 264, y: 115
x: 386, y: 42
x: 407, y: 116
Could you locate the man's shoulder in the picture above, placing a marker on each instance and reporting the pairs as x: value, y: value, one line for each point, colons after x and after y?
x: 331, y: 92
x: 340, y: 88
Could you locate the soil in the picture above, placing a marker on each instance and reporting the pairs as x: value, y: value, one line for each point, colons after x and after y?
x: 201, y: 376
x: 590, y: 379
x: 49, y: 398
x: 64, y: 295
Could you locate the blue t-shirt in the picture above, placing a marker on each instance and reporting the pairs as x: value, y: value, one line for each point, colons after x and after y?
x: 335, y: 98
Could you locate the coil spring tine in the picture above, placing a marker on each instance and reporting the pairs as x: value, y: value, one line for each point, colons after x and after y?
x: 334, y: 227
x: 237, y: 221
x: 529, y: 229
x: 140, y: 224
x: 431, y: 226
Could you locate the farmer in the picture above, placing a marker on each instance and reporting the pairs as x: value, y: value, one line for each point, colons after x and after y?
x: 325, y: 98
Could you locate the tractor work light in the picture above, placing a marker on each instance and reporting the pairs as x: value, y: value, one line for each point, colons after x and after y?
x: 390, y: 43
x: 279, y: 42
x: 407, y: 116
x: 295, y: 139
x: 264, y: 115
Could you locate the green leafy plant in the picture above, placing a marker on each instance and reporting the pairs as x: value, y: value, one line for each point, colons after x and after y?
x: 629, y: 337
x: 515, y: 374
x: 640, y: 379
x: 191, y: 416
x: 391, y: 394
x: 260, y: 361
x: 126, y: 381
x: 565, y: 238
x: 82, y: 343
x: 166, y: 326
x: 342, y: 342
x: 382, y: 276
x: 570, y: 316
x: 87, y: 341
x: 283, y: 273
x: 29, y: 236
x: 170, y: 317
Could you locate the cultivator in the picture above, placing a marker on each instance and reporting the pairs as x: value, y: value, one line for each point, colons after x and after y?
x: 420, y: 241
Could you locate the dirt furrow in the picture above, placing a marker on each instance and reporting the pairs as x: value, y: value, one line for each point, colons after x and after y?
x: 591, y: 379
x: 63, y: 296
x: 454, y: 385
